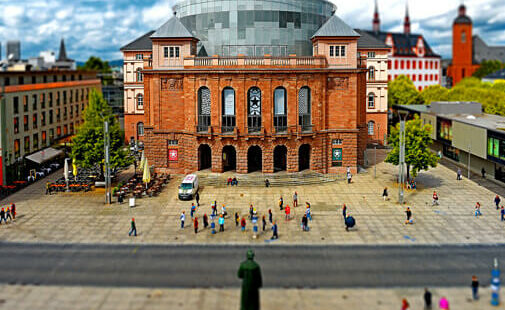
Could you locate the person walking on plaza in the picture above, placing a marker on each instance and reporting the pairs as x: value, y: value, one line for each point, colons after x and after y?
x: 295, y: 200
x: 133, y: 229
x: 264, y: 222
x: 344, y: 211
x: 193, y: 210
x: 409, y: 216
x: 349, y: 177
x: 214, y: 208
x: 223, y: 211
x: 205, y: 221
x: 270, y: 216
x: 281, y: 202
x: 242, y: 224
x: 502, y: 212
x: 483, y: 172
x: 197, y: 198
x: 2, y: 216
x: 475, y: 288
x: 251, y: 211
x: 497, y: 201
x: 443, y: 304
x: 183, y: 218
x: 275, y: 232
x: 405, y: 304
x: 459, y: 178
x: 195, y: 224
x: 477, y: 209
x: 305, y: 223
x: 48, y: 188
x: 385, y: 193
x: 308, y: 211
x: 13, y: 210
x: 237, y: 219
x: 288, y: 212
x: 427, y: 299
x: 8, y: 215
x: 435, y: 198
x: 221, y: 223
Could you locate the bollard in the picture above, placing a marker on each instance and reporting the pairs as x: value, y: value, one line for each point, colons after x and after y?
x: 213, y: 228
x: 495, y: 284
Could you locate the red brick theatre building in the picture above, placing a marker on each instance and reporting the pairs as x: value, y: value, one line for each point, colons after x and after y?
x: 275, y: 86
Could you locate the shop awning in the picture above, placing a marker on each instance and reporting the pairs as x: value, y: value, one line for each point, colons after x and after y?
x: 44, y: 155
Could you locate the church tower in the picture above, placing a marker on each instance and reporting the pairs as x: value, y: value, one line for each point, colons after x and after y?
x: 376, y: 25
x: 406, y: 22
x: 462, y: 47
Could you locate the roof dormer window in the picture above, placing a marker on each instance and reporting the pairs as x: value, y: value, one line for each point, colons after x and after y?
x: 171, y: 51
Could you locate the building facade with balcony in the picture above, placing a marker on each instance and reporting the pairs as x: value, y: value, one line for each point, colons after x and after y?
x: 253, y: 112
x: 41, y: 108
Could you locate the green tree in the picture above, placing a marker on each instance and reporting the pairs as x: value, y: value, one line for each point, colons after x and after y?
x: 417, y: 146
x: 435, y: 93
x: 488, y: 67
x: 96, y: 64
x: 88, y: 144
x: 402, y: 91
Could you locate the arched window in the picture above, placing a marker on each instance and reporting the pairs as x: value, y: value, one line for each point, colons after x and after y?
x: 254, y: 109
x: 304, y: 108
x: 228, y: 110
x: 140, y: 129
x: 140, y: 101
x: 371, y: 101
x: 140, y: 78
x: 463, y: 37
x: 280, y: 109
x: 371, y: 73
x: 371, y: 128
x: 203, y: 109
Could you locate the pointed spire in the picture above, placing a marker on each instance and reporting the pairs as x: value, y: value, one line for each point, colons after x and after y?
x: 376, y: 20
x: 406, y: 22
x: 62, y: 55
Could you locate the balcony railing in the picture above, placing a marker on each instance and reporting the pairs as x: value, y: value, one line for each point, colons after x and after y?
x: 305, y: 122
x: 281, y: 123
x: 266, y: 61
x: 203, y: 123
x: 228, y: 124
x: 253, y: 124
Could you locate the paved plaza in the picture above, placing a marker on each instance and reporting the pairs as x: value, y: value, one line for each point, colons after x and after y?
x: 83, y: 217
x: 103, y: 298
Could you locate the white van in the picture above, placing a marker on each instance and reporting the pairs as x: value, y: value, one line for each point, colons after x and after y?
x: 189, y: 187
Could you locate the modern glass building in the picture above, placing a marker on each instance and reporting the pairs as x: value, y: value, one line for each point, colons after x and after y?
x: 254, y: 27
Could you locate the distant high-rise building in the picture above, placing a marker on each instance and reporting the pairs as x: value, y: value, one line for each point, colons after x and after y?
x: 14, y: 49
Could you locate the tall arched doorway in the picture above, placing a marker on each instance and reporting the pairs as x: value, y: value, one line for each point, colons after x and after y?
x: 229, y: 158
x: 204, y: 157
x: 280, y: 158
x: 254, y: 158
x: 304, y: 157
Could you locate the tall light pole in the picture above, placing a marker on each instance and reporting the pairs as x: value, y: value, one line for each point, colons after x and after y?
x: 3, y: 134
x: 107, y: 162
x: 469, y: 157
x: 401, y: 160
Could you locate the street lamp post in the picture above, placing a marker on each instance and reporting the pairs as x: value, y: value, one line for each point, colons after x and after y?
x: 469, y: 157
x: 401, y: 160
x: 107, y: 162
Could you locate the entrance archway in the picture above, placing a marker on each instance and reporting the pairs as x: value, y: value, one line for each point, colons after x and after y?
x: 229, y: 158
x: 254, y: 158
x: 304, y: 157
x: 280, y: 158
x: 204, y: 157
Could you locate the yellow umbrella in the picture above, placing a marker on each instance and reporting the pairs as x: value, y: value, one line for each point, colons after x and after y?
x: 147, y: 173
x: 142, y: 160
x: 74, y: 168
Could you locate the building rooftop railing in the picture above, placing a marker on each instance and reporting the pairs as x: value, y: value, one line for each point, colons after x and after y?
x: 291, y: 61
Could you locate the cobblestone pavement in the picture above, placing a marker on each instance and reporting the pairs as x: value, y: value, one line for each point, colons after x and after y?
x: 83, y: 217
x: 57, y: 297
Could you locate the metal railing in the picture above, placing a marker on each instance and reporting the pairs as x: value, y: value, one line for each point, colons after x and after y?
x: 228, y: 124
x: 203, y: 123
x: 281, y: 123
x: 253, y: 124
x: 304, y: 121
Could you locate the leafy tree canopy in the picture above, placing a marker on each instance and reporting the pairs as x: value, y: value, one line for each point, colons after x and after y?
x: 402, y: 91
x: 96, y: 64
x: 418, y: 155
x: 487, y: 67
x: 88, y: 144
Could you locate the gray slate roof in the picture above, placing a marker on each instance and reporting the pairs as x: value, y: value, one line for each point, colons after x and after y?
x: 403, y: 43
x: 143, y: 43
x: 482, y: 51
x: 368, y: 41
x: 335, y: 27
x: 173, y: 28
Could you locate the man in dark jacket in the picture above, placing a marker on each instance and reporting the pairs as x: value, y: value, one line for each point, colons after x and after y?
x: 250, y: 273
x: 427, y: 299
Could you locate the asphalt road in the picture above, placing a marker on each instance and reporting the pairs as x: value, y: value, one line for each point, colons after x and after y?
x: 216, y: 266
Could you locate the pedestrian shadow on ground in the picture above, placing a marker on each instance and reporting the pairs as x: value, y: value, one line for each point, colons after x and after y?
x: 427, y: 181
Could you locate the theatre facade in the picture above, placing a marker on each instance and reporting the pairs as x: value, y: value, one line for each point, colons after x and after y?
x: 245, y: 112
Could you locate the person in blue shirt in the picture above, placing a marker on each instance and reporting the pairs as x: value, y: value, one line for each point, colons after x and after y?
x: 221, y: 223
x: 275, y: 234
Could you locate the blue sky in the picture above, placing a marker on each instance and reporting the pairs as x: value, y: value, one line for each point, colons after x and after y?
x: 100, y: 27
